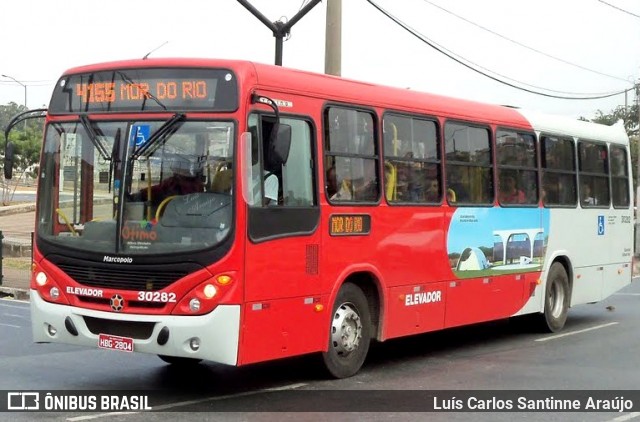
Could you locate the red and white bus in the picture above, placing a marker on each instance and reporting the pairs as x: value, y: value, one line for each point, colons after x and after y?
x: 238, y: 212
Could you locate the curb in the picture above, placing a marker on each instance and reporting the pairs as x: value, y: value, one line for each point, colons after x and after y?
x: 17, y: 294
x: 17, y: 209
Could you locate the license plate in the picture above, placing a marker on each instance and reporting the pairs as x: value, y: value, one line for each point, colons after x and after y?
x: 121, y: 344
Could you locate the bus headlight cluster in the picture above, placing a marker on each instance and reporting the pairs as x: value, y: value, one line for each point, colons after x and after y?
x: 210, y: 291
x: 205, y: 297
x: 194, y: 305
x: 54, y: 292
x: 41, y: 279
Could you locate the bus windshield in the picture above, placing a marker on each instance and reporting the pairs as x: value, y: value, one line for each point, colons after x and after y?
x: 136, y: 187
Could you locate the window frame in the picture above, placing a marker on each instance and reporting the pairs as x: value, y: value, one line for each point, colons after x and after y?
x: 438, y: 162
x: 513, y: 167
x: 265, y: 223
x: 326, y: 152
x: 544, y: 170
x: 592, y: 175
x: 455, y: 163
x: 613, y: 178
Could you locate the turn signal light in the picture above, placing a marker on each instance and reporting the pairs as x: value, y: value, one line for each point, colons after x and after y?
x: 224, y: 279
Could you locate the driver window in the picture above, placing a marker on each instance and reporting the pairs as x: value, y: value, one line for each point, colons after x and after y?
x: 277, y: 183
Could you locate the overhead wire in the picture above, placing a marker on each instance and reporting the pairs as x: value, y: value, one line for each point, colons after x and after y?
x: 619, y: 8
x: 524, y: 45
x: 474, y: 67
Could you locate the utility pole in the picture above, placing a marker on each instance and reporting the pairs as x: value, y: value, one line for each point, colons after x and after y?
x: 333, y: 38
x: 279, y: 28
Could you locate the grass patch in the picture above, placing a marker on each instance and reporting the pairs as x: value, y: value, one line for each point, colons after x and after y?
x: 17, y: 263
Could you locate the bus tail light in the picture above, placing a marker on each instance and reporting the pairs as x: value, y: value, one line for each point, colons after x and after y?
x: 202, y: 299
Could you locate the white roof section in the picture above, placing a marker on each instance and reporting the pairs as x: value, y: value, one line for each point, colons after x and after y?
x: 560, y: 125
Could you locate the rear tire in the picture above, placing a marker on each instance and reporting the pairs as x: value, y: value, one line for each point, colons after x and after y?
x: 556, y: 299
x: 179, y: 361
x: 349, y: 333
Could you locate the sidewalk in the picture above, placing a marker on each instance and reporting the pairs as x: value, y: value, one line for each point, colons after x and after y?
x: 16, y: 223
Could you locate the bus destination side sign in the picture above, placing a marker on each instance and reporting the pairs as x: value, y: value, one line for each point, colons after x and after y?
x: 349, y: 224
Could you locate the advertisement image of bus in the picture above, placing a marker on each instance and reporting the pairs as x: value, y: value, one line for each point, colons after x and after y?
x: 236, y: 212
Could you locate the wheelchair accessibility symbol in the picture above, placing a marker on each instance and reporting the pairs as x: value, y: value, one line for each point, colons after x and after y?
x: 139, y: 134
x: 601, y: 225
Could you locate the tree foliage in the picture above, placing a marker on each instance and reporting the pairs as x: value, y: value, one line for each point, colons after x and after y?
x: 27, y: 140
x: 26, y: 137
x: 629, y: 115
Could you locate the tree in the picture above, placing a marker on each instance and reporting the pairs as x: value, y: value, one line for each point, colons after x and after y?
x: 26, y: 137
x: 27, y: 140
x: 627, y: 114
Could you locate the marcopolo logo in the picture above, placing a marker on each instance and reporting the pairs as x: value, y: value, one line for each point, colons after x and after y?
x: 23, y: 401
x: 118, y: 259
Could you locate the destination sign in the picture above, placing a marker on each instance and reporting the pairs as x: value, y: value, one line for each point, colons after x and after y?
x: 349, y: 224
x: 132, y: 90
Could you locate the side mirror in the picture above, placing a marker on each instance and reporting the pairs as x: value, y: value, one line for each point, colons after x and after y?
x: 8, y: 161
x: 281, y: 145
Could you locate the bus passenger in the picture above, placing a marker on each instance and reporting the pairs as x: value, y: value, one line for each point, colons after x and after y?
x: 509, y: 192
x: 587, y: 198
x: 550, y: 192
x: 433, y: 191
x: 332, y: 182
x: 183, y: 181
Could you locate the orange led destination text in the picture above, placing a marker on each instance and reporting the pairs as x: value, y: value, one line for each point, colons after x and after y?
x: 109, y: 92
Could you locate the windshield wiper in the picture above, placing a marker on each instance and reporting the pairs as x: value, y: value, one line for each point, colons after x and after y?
x: 147, y: 94
x: 157, y: 135
x: 86, y: 123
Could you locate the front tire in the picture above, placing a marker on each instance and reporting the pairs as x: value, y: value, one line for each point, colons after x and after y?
x: 556, y: 300
x: 349, y: 333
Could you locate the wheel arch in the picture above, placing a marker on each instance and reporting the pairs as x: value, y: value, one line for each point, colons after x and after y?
x: 370, y: 282
x: 565, y: 261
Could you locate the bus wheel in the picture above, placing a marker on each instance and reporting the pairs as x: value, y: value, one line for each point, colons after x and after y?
x: 179, y: 361
x: 350, y: 333
x: 556, y: 299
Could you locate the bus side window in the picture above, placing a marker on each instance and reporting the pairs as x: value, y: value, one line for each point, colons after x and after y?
x: 411, y: 152
x: 351, y: 148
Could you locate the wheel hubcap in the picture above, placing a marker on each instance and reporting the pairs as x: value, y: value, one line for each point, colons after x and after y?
x: 556, y: 298
x: 346, y: 330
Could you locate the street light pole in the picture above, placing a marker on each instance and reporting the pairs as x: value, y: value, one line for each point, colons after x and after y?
x: 19, y: 83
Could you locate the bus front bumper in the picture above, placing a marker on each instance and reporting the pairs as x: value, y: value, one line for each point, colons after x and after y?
x: 216, y: 333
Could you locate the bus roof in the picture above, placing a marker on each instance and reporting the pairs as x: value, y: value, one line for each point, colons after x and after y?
x: 350, y: 91
x: 335, y: 88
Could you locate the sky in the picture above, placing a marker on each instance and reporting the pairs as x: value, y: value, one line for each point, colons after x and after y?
x: 572, y: 46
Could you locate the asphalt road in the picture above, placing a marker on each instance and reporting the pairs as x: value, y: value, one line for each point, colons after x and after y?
x: 599, y: 349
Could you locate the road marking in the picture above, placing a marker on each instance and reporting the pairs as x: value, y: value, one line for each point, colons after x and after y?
x: 190, y: 402
x: 627, y: 294
x: 626, y: 417
x: 10, y: 325
x: 16, y: 316
x: 576, y: 332
x: 101, y: 415
x: 6, y: 305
